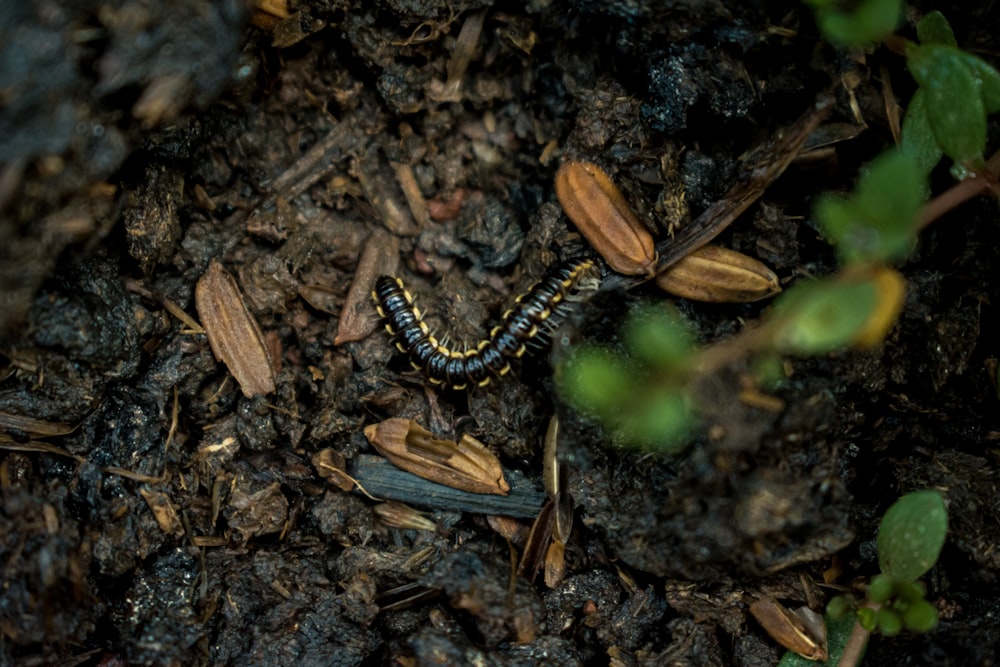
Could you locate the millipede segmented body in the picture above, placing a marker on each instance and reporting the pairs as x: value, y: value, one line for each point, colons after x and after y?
x: 528, y: 321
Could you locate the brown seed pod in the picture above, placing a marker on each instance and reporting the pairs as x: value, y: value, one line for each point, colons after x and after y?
x: 233, y: 333
x: 465, y: 465
x: 599, y: 210
x: 802, y: 631
x: 718, y: 275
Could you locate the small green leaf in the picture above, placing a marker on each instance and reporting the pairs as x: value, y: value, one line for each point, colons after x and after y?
x: 988, y: 79
x: 868, y: 618
x: 593, y: 379
x: 911, y: 535
x: 870, y: 21
x: 881, y: 588
x: 934, y: 28
x: 910, y: 591
x: 920, y: 616
x: 918, y: 140
x: 953, y: 99
x: 659, y: 337
x: 878, y: 222
x: 659, y: 420
x: 815, y: 318
x: 838, y: 607
x: 889, y: 622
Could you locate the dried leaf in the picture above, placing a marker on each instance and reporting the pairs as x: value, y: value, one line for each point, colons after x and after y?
x: 331, y: 466
x: 163, y: 511
x: 466, y: 464
x: 398, y: 515
x: 555, y: 563
x: 233, y: 333
x: 538, y: 542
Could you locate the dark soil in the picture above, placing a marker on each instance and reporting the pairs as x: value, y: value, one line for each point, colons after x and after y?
x: 150, y: 513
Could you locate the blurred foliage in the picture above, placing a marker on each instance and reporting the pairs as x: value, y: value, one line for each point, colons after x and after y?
x: 857, y: 24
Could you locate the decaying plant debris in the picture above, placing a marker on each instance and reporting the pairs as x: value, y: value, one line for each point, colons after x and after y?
x: 154, y: 512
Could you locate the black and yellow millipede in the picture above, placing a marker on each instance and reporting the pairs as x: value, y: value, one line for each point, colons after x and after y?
x: 530, y: 320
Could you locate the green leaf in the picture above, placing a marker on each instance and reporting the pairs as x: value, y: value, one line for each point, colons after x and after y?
x: 921, y: 616
x: 911, y: 535
x: 868, y: 618
x: 988, y: 78
x: 838, y: 630
x: 870, y: 21
x: 889, y: 622
x: 910, y: 591
x: 881, y: 588
x: 934, y: 28
x: 815, y: 318
x: 953, y: 99
x: 838, y: 607
x: 594, y: 380
x: 918, y: 140
x: 659, y: 337
x: 878, y: 223
x: 659, y: 420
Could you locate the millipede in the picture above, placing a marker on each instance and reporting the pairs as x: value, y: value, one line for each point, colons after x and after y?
x: 527, y: 323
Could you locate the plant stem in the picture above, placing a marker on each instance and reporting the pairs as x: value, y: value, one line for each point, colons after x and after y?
x: 855, y: 647
x: 981, y: 183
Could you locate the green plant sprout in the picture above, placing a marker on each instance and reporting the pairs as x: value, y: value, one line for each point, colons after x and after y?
x: 642, y: 393
x: 910, y: 538
x: 638, y: 393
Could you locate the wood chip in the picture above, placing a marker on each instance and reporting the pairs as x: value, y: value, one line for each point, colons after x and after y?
x: 358, y: 319
x: 233, y: 333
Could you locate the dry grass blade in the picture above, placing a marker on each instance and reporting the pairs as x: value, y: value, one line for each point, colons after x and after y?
x: 34, y: 428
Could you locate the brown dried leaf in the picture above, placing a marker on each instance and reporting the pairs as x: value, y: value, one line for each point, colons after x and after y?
x: 411, y: 191
x: 163, y: 511
x: 467, y: 464
x: 398, y: 515
x: 599, y: 210
x: 555, y: 563
x: 718, y: 275
x: 331, y: 466
x: 233, y: 333
x: 538, y: 542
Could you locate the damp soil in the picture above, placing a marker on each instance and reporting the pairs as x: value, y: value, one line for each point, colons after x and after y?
x: 152, y: 514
